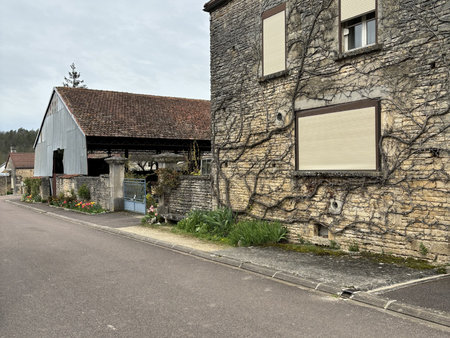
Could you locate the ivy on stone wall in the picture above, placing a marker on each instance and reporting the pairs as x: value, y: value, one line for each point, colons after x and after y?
x: 254, y: 136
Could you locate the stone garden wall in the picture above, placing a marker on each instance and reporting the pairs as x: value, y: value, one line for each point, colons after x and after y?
x: 98, y: 187
x: 193, y: 192
x: 5, y: 184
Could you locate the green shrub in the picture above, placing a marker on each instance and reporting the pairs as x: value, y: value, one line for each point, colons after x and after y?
x: 167, y: 179
x: 252, y: 232
x: 216, y: 223
x: 192, y: 222
x: 219, y: 222
x: 33, y: 186
x: 84, y: 193
x: 150, y: 201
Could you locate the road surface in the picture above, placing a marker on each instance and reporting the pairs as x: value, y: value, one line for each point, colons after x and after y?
x: 59, y: 279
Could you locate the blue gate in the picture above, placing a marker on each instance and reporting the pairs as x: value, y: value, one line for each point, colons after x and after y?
x: 134, y: 194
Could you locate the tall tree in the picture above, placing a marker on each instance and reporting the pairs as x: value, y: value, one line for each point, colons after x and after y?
x: 74, y: 78
x: 22, y: 140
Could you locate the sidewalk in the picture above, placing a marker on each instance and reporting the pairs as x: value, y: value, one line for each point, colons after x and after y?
x: 382, y: 285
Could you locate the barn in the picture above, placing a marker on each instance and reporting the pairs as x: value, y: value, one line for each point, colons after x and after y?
x: 82, y: 126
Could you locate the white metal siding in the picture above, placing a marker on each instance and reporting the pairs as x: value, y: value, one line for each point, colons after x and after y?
x: 60, y: 131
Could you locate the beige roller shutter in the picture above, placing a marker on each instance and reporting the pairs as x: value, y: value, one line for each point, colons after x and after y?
x: 353, y: 8
x: 344, y: 140
x: 274, y: 43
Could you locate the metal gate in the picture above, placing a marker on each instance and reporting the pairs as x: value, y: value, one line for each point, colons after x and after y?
x: 134, y: 194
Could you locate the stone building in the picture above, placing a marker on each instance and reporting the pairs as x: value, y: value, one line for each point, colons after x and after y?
x: 331, y: 116
x: 19, y: 166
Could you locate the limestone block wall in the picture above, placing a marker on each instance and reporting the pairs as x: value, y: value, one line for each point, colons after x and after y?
x: 192, y: 193
x: 98, y: 187
x: 20, y: 176
x: 5, y: 184
x: 400, y: 208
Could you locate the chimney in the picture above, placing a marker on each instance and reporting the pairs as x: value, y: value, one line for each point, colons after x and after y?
x: 13, y: 149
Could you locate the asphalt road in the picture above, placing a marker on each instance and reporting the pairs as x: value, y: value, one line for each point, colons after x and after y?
x: 60, y: 279
x: 432, y: 294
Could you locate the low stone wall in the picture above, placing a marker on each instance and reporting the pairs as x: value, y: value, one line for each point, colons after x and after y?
x: 5, y: 184
x: 192, y: 193
x: 98, y: 187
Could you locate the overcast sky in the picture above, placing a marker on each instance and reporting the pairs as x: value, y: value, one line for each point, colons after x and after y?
x: 137, y: 46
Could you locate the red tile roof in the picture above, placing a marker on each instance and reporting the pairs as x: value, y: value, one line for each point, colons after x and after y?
x: 117, y: 114
x: 21, y: 160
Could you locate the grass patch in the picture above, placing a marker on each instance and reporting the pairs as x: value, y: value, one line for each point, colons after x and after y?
x: 310, y: 248
x: 418, y: 264
x: 212, y: 238
x: 409, y: 262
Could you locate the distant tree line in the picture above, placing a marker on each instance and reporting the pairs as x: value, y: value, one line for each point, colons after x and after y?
x: 22, y: 140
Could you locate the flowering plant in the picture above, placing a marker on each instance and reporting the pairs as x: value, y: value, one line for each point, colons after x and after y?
x: 152, y: 211
x: 31, y: 198
x: 152, y: 216
x: 74, y: 204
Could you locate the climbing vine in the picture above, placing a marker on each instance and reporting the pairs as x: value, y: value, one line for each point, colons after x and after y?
x: 254, y: 124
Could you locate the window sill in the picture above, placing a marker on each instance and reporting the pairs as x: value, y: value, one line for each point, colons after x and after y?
x: 273, y: 76
x: 359, y: 51
x: 337, y: 173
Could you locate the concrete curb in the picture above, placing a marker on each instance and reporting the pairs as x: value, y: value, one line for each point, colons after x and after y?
x: 442, y: 318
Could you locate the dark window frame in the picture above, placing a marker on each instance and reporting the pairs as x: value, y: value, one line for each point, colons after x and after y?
x: 336, y: 109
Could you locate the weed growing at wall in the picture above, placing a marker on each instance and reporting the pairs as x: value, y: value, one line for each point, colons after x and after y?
x: 354, y: 247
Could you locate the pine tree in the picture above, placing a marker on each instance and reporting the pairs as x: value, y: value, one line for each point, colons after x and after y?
x: 74, y: 79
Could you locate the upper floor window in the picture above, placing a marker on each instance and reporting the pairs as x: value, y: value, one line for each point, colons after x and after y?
x: 358, y: 23
x: 274, y: 40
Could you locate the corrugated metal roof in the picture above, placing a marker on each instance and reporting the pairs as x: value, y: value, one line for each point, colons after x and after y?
x: 117, y: 114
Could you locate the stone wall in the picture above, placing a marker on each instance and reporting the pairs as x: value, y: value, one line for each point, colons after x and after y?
x: 5, y: 184
x: 19, y: 175
x: 192, y: 193
x: 401, y: 208
x: 98, y: 187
